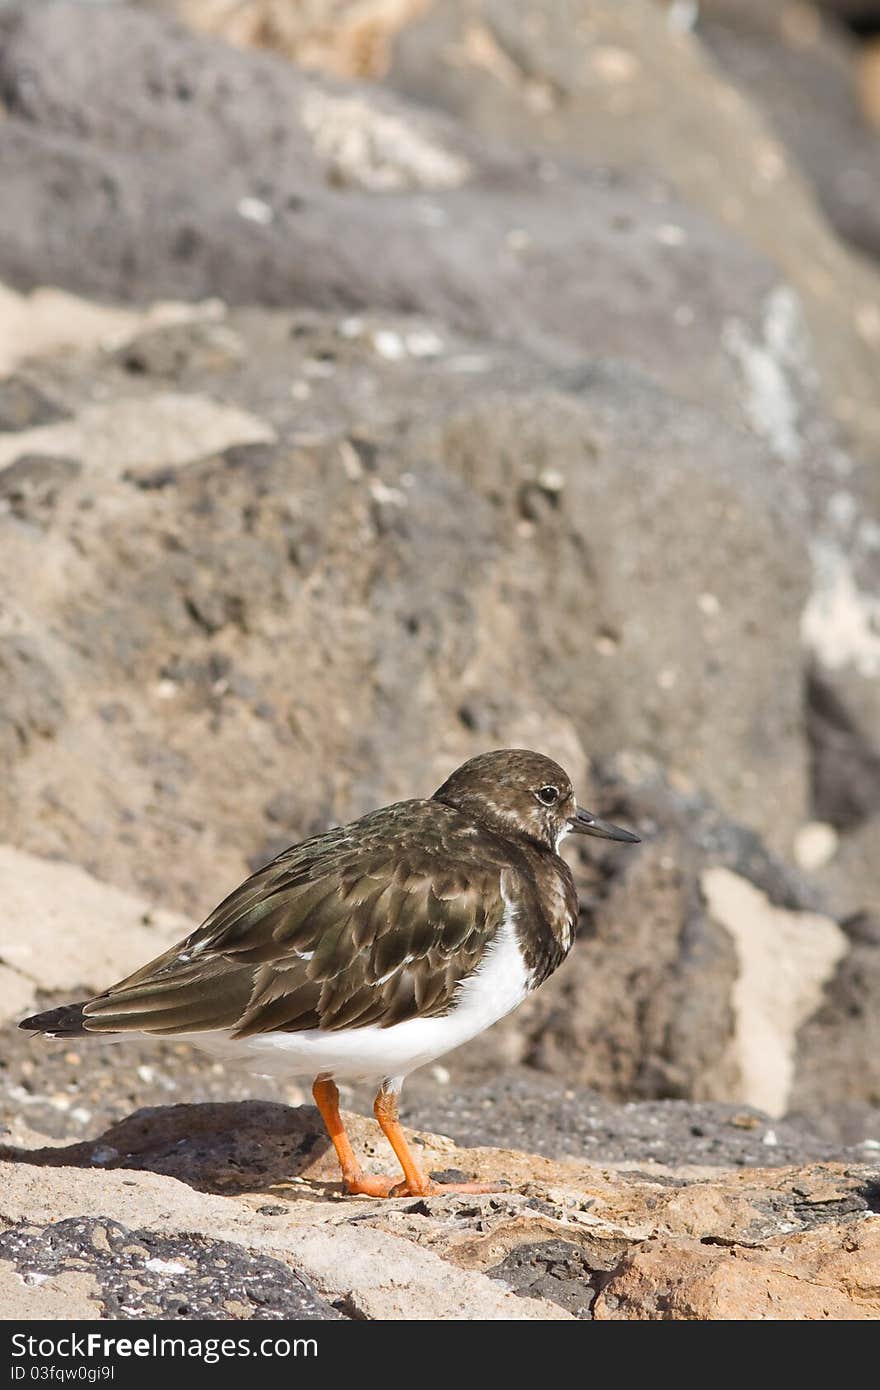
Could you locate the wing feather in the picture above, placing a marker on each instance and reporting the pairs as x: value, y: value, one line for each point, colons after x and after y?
x: 371, y: 923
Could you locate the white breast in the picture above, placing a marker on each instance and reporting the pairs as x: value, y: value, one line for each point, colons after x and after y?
x: 499, y: 984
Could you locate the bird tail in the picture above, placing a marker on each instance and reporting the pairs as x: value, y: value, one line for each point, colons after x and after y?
x: 66, y: 1022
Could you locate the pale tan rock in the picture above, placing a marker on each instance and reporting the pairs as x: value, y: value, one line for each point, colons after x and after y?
x: 829, y: 1273
x: 381, y: 1275
x: 785, y: 959
x: 51, y: 320
x: 63, y: 929
x: 165, y: 430
x: 687, y: 1242
x: 348, y: 38
x: 61, y: 1298
x: 17, y: 992
x: 376, y: 150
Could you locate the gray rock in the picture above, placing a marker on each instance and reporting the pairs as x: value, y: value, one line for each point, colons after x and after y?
x: 144, y: 1275
x: 30, y: 486
x: 619, y: 90
x: 483, y: 250
x: 553, y: 1269
x: 22, y: 405
x: 803, y: 76
x: 32, y: 703
x: 544, y: 449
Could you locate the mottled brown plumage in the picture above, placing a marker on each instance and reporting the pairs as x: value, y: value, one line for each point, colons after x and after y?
x: 374, y: 925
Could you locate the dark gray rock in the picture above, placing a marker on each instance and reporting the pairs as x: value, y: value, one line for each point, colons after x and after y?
x: 844, y: 761
x: 550, y: 1117
x: 552, y: 1269
x: 144, y: 1275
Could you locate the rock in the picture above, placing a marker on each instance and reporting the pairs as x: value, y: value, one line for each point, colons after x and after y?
x: 49, y: 319
x: 633, y: 1236
x: 58, y: 1298
x: 23, y: 406
x: 666, y: 992
x: 64, y: 930
x: 494, y: 589
x: 869, y: 83
x: 560, y: 1120
x: 845, y: 762
x: 30, y: 486
x: 503, y: 229
x: 164, y: 430
x: 347, y: 38
x: 802, y: 70
x: 463, y: 531
x: 785, y: 959
x: 553, y: 1269
x: 16, y: 991
x: 818, y: 1275
x: 623, y: 85
x: 753, y: 331
x: 521, y: 422
x: 31, y: 696
x: 137, y: 1274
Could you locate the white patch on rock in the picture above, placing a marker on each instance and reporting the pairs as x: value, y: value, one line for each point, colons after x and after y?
x: 49, y: 319
x: 785, y: 959
x: 840, y: 624
x: 815, y: 845
x: 255, y: 210
x: 166, y: 430
x: 165, y: 1266
x: 767, y: 367
x: 375, y: 150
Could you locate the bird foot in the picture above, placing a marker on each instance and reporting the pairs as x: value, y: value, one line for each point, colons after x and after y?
x: 370, y: 1185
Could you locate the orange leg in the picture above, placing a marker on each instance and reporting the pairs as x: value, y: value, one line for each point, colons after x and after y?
x: 356, y: 1181
x: 416, y: 1183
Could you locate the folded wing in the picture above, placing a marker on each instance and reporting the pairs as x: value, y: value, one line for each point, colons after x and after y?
x: 372, y: 923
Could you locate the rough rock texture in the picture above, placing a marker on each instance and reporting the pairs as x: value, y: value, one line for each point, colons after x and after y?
x: 523, y: 396
x: 479, y: 503
x: 259, y: 1188
x: 139, y: 1274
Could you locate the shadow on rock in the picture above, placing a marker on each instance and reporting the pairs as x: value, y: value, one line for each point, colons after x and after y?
x: 226, y: 1148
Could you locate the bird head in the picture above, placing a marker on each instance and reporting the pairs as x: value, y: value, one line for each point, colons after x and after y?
x: 519, y: 793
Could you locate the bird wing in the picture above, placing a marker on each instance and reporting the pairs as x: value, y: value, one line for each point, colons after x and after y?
x: 371, y: 923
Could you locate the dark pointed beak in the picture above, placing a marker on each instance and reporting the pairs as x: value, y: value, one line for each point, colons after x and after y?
x: 585, y: 823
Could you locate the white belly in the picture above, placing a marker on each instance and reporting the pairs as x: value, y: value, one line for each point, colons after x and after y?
x: 373, y: 1053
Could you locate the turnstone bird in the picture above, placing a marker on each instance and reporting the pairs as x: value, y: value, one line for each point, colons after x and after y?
x: 374, y: 948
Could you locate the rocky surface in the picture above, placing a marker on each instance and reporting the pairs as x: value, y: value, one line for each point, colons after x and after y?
x: 523, y: 393
x: 566, y: 1240
x: 803, y: 71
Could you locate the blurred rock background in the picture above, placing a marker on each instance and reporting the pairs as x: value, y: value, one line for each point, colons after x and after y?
x: 387, y: 380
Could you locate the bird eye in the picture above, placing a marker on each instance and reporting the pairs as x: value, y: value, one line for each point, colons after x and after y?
x: 548, y: 795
